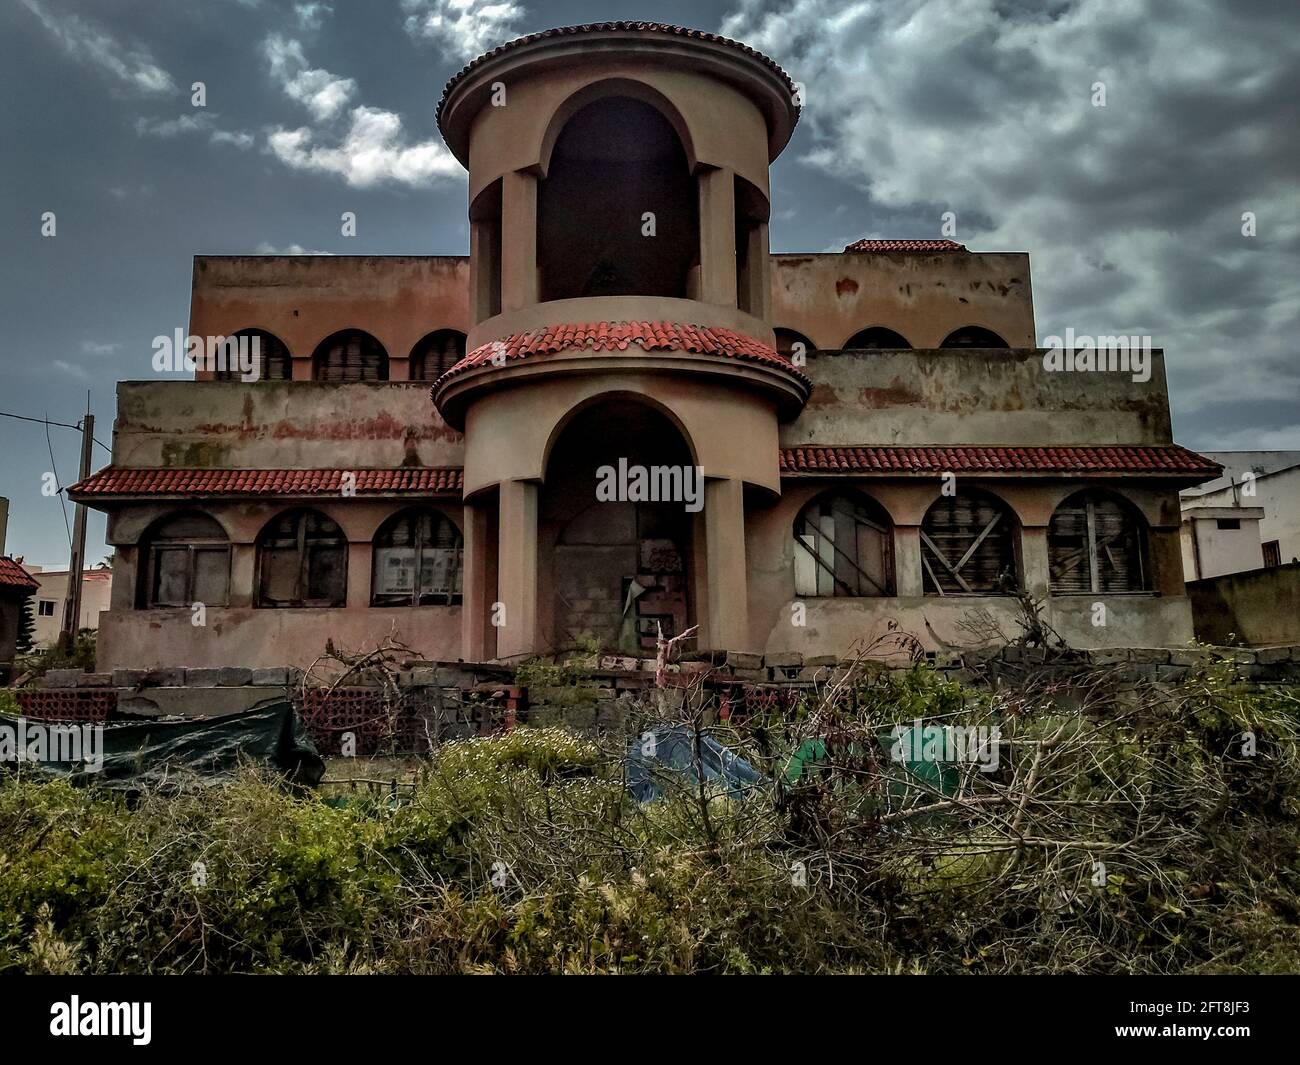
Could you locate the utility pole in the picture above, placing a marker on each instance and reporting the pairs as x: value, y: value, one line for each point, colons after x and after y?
x: 72, y: 607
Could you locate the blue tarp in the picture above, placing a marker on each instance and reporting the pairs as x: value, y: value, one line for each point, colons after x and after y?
x: 666, y: 756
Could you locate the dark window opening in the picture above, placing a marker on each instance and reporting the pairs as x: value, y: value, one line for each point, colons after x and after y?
x: 787, y: 339
x: 350, y: 355
x: 968, y: 546
x: 842, y: 548
x: 418, y: 559
x: 1272, y: 553
x: 436, y: 354
x: 272, y: 361
x: 973, y: 336
x: 875, y: 337
x: 45, y: 608
x: 1228, y: 524
x: 618, y: 211
x: 1097, y: 543
x: 302, y: 559
x: 186, y: 561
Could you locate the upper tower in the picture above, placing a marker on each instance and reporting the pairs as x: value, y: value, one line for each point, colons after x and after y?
x: 618, y: 172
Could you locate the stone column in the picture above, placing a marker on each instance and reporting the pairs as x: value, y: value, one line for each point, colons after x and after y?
x: 476, y: 595
x: 517, y: 569
x: 724, y: 520
x: 518, y: 241
x: 718, y: 236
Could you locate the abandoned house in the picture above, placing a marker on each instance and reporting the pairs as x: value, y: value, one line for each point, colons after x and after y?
x: 810, y: 447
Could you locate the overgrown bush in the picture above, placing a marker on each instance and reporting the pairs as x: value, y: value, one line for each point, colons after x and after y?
x: 1125, y: 829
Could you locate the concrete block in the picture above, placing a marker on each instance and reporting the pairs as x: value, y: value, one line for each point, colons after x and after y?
x: 1173, y: 674
x: 62, y: 678
x: 1152, y: 655
x: 128, y: 678
x: 821, y: 660
x: 423, y: 677
x: 168, y: 677
x: 234, y: 676
x: 95, y: 680
x: 784, y: 660
x: 1266, y: 656
x: 1188, y: 656
x: 754, y: 676
x: 744, y: 660
x: 270, y: 677
x: 208, y: 677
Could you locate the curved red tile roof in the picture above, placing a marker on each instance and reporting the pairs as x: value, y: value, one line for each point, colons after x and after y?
x: 905, y: 245
x: 622, y: 336
x: 115, y: 481
x: 13, y: 575
x: 1169, y: 460
x: 609, y: 27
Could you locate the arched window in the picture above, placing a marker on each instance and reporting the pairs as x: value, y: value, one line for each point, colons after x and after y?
x: 786, y: 339
x: 350, y: 355
x: 302, y: 560
x: 842, y: 547
x: 618, y: 210
x: 968, y: 546
x: 186, y: 561
x: 1096, y: 543
x: 875, y: 337
x: 973, y: 336
x: 267, y: 353
x: 436, y: 354
x: 418, y: 557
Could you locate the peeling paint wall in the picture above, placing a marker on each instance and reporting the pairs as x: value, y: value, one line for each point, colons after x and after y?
x: 828, y: 298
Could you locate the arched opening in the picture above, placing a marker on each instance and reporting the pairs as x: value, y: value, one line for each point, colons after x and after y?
x: 265, y: 351
x: 973, y: 336
x: 436, y: 354
x: 615, y: 529
x: 787, y: 341
x: 418, y: 554
x: 968, y: 546
x: 185, y: 560
x: 350, y: 355
x: 843, y: 547
x: 617, y: 212
x: 302, y: 560
x: 875, y: 337
x: 1097, y: 543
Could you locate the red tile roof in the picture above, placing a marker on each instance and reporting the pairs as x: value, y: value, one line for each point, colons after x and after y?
x: 115, y: 481
x: 622, y: 336
x: 13, y: 575
x: 905, y: 245
x: 1167, y: 461
x: 609, y: 27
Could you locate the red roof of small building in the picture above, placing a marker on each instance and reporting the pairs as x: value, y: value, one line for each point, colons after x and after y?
x: 624, y: 336
x: 1168, y: 461
x: 115, y: 481
x: 905, y: 245
x: 609, y: 27
x: 13, y: 575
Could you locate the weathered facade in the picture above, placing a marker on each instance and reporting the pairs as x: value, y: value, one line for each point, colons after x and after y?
x: 428, y: 445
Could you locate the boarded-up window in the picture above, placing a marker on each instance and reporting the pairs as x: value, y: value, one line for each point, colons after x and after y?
x: 266, y: 352
x: 842, y: 547
x: 436, y: 354
x: 302, y: 559
x: 350, y: 356
x: 968, y: 546
x: 187, y: 561
x: 1097, y: 543
x: 417, y: 561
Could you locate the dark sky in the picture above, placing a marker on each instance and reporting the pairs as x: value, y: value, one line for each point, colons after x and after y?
x: 1132, y: 212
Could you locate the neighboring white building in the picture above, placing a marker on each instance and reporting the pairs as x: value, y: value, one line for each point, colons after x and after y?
x: 1248, y: 518
x: 49, y: 600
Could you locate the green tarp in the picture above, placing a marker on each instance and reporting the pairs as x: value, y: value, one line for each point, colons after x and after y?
x: 129, y: 755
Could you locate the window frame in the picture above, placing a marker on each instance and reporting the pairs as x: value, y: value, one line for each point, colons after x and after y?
x: 417, y: 596
x: 1136, y: 525
x: 873, y: 516
x: 303, y: 547
x: 155, y: 545
x: 1003, y: 515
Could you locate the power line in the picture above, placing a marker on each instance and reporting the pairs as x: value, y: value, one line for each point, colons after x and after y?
x: 47, y: 422
x: 57, y: 480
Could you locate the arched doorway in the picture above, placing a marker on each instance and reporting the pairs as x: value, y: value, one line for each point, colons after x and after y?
x: 614, y: 543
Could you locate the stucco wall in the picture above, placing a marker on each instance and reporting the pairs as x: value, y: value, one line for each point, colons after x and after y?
x: 280, y: 425
x: 1278, y: 494
x: 956, y: 396
x: 1260, y: 608
x: 830, y: 297
x: 302, y: 299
